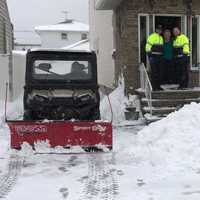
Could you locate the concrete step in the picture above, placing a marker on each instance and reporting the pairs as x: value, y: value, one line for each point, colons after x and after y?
x: 161, y: 111
x: 150, y: 118
x: 168, y: 102
x: 172, y: 94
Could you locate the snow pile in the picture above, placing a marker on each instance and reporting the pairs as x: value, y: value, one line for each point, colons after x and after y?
x: 45, y: 147
x: 14, y: 110
x: 5, y: 139
x: 174, y: 142
x: 118, y: 102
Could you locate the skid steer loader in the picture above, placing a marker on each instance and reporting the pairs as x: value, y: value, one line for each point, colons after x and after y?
x: 61, y: 101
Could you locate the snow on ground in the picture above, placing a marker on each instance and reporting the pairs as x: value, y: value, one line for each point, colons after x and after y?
x: 159, y: 161
x: 117, y: 100
x: 175, y: 139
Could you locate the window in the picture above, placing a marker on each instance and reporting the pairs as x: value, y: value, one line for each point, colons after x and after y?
x: 64, y: 70
x: 64, y: 36
x: 84, y: 36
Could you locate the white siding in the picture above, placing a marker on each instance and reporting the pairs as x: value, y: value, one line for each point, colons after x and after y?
x: 4, y: 76
x: 54, y: 40
x: 101, y: 40
x: 19, y: 66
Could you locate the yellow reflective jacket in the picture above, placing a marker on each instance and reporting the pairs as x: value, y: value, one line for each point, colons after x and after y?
x: 182, y: 41
x: 153, y: 39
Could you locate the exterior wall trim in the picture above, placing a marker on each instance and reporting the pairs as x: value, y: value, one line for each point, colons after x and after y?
x: 139, y: 50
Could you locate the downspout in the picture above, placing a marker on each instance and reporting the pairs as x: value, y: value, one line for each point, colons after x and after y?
x: 189, y: 14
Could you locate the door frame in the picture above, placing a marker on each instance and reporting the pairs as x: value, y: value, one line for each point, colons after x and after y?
x: 198, y: 43
x: 183, y: 20
x: 183, y: 27
x: 147, y: 32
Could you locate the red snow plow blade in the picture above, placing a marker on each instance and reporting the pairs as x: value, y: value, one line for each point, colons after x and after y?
x: 61, y: 133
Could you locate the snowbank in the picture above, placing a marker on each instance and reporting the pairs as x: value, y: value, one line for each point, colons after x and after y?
x: 14, y: 111
x: 174, y: 142
x: 118, y: 100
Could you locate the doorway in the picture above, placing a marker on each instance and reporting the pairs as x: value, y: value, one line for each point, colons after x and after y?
x: 147, y: 24
x: 168, y: 22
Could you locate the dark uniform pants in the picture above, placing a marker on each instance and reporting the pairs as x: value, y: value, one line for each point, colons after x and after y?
x: 181, y: 71
x: 156, y: 72
x: 168, y: 72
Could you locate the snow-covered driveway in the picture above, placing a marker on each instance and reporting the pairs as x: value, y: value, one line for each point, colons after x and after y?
x: 158, y: 162
x: 73, y: 176
x: 120, y: 175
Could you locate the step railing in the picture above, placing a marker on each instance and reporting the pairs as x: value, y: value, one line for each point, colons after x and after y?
x: 145, y: 85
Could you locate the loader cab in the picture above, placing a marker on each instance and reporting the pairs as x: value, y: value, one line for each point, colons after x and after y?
x: 61, y: 85
x: 72, y: 68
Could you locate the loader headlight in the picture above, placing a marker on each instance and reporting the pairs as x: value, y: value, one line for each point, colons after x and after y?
x: 85, y: 98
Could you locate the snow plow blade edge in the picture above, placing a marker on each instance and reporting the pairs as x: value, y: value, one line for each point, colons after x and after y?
x: 61, y: 133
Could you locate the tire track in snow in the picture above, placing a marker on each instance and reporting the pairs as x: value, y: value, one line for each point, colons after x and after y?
x: 8, y: 180
x: 101, y: 180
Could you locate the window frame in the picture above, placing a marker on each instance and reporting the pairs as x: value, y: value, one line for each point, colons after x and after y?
x: 185, y: 26
x: 198, y: 44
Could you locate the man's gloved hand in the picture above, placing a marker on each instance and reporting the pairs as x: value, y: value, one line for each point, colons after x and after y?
x: 150, y: 57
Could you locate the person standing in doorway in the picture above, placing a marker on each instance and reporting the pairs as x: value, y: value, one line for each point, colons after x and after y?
x: 154, y: 49
x: 181, y: 57
x: 168, y: 64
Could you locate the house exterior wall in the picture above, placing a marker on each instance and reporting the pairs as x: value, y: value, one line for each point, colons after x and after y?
x: 54, y: 40
x: 19, y: 68
x: 4, y: 77
x: 126, y: 34
x: 101, y: 40
x: 6, y: 45
x: 6, y: 32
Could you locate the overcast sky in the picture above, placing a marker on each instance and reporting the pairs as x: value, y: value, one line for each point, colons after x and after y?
x: 26, y: 14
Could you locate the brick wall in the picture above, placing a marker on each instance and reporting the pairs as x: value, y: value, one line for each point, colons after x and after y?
x: 126, y: 34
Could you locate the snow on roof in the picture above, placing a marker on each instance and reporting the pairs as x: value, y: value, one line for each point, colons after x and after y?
x: 69, y: 26
x: 81, y: 45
